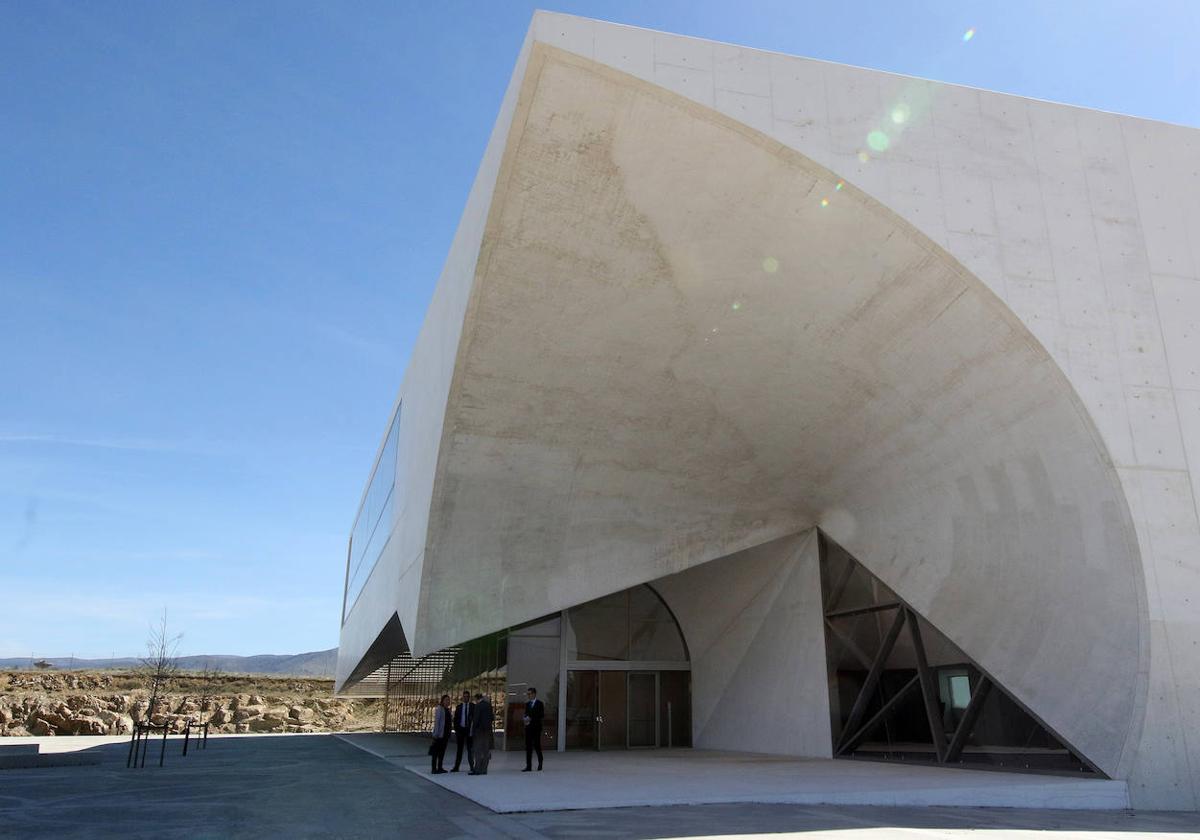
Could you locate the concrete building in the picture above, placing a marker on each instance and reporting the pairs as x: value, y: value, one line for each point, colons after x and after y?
x: 866, y: 402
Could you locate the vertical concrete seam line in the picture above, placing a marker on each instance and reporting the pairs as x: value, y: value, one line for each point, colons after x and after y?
x: 1050, y: 251
x: 828, y: 132
x: 1003, y: 278
x: 941, y: 183
x: 712, y: 61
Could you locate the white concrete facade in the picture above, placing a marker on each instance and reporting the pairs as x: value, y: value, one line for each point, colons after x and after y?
x: 690, y: 311
x: 754, y: 619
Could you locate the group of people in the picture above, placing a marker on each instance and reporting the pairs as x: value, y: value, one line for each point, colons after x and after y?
x: 472, y: 724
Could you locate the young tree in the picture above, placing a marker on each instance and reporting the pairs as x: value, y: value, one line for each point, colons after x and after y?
x: 210, y: 679
x: 160, y: 665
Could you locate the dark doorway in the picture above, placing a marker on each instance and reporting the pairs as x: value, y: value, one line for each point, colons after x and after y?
x: 643, y: 709
x: 624, y: 709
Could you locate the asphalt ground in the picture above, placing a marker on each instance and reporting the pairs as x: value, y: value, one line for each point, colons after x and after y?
x: 317, y: 786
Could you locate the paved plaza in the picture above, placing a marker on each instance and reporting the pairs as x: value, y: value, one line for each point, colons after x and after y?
x: 583, y: 779
x: 321, y: 786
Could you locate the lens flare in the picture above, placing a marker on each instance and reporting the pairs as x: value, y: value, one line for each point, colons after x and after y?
x: 969, y: 34
x: 878, y: 141
x: 824, y: 202
x: 737, y: 304
x: 863, y: 157
x: 900, y: 114
x: 839, y: 186
x: 770, y: 265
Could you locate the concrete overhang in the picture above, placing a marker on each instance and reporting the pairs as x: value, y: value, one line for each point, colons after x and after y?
x: 684, y: 339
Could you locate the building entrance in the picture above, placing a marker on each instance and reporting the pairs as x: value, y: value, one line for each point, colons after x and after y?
x: 613, y: 674
x: 628, y: 674
x: 642, y: 725
x: 612, y: 718
x: 626, y: 709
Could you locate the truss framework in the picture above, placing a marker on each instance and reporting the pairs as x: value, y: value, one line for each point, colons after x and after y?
x: 877, y: 706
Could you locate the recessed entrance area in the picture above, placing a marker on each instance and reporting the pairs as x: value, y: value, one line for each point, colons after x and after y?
x: 628, y: 681
x: 614, y: 674
x: 627, y: 709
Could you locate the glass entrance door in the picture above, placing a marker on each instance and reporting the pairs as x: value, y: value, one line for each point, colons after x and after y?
x: 614, y: 713
x: 582, y: 713
x: 614, y: 710
x: 643, y: 709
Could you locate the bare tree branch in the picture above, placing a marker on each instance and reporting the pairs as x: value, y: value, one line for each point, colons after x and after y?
x: 160, y: 665
x: 210, y: 677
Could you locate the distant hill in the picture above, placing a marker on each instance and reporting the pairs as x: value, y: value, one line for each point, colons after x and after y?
x: 318, y: 663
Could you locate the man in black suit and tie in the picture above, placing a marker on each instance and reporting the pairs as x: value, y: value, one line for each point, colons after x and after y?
x: 482, y: 720
x: 462, y: 732
x: 535, y: 712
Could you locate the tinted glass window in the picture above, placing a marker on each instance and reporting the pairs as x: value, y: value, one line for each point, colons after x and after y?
x: 373, y: 524
x: 633, y: 625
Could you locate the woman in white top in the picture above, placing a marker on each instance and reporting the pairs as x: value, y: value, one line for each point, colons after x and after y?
x: 443, y: 725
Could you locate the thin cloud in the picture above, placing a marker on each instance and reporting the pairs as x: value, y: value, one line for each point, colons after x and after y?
x: 131, y: 445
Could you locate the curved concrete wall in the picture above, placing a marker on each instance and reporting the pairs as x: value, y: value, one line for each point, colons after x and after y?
x: 1087, y: 224
x: 893, y: 403
x: 686, y: 339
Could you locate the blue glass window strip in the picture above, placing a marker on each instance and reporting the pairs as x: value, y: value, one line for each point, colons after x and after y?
x: 373, y: 524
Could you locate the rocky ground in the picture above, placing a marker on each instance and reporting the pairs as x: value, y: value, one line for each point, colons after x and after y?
x: 110, y: 702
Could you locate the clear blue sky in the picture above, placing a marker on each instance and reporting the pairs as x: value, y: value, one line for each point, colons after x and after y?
x: 221, y: 223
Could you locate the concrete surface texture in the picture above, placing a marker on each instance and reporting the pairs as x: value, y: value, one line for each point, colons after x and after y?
x: 753, y: 621
x: 695, y: 305
x: 624, y: 779
x: 315, y: 786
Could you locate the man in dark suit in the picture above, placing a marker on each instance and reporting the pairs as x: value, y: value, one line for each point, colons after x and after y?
x: 462, y: 732
x: 535, y: 713
x: 482, y: 720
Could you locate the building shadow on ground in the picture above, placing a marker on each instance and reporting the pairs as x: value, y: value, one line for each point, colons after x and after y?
x: 321, y: 786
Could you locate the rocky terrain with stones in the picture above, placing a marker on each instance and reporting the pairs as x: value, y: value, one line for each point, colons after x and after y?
x: 109, y: 703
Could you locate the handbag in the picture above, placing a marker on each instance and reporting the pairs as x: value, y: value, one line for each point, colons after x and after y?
x: 432, y: 748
